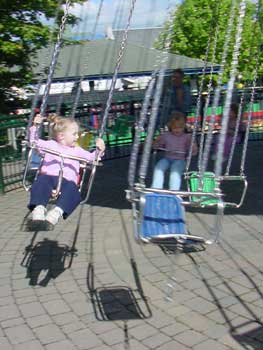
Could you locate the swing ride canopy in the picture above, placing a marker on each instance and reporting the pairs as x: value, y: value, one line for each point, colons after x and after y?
x: 99, y: 58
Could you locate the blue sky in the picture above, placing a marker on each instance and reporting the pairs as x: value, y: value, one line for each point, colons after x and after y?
x: 147, y: 13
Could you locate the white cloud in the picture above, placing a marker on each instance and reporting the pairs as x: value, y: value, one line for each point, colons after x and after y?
x: 114, y: 13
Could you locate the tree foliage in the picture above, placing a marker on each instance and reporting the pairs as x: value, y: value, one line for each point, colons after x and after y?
x: 195, y: 23
x: 22, y: 33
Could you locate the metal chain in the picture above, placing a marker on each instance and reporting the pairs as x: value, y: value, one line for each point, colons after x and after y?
x: 209, y: 136
x: 234, y: 141
x: 225, y: 118
x: 155, y: 106
x: 116, y: 71
x: 240, y: 110
x: 199, y: 98
x: 255, y: 74
x: 142, y: 120
x: 41, y: 75
x: 55, y: 57
x: 207, y: 102
x: 86, y: 63
x: 139, y: 129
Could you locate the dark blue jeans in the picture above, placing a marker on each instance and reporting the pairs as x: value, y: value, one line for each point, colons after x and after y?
x: 41, y: 191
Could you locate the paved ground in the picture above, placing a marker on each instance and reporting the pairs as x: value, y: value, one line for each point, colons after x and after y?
x: 115, y: 294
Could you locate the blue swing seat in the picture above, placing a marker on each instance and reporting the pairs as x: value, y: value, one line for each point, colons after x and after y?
x: 163, y: 218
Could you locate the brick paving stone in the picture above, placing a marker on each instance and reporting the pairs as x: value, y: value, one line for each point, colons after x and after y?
x: 12, y: 322
x: 161, y: 319
x: 72, y: 327
x: 201, y: 305
x: 61, y: 345
x: 130, y: 344
x: 5, y: 344
x: 103, y: 347
x: 19, y: 334
x: 48, y: 297
x: 156, y: 340
x: 102, y: 327
x: 31, y: 309
x: 5, y: 291
x: 143, y: 331
x: 216, y: 331
x: 177, y: 311
x: 190, y: 338
x: 55, y: 307
x: 65, y: 318
x: 49, y: 333
x: 38, y: 321
x: 221, y: 317
x: 31, y: 345
x: 114, y: 336
x: 196, y: 321
x: 84, y: 339
x: 8, y: 312
x: 210, y: 344
x: 27, y: 300
x: 174, y: 329
x: 172, y: 345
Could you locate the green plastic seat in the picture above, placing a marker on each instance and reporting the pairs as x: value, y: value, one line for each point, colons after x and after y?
x: 208, y: 185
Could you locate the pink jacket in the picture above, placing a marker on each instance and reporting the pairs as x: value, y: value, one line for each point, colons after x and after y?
x: 51, y: 163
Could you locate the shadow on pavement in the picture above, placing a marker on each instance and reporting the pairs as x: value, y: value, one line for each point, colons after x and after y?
x: 46, y: 260
x: 252, y: 339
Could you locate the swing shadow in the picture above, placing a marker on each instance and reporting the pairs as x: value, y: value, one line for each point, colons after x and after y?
x: 118, y: 303
x: 251, y: 337
x: 48, y: 257
x: 114, y: 303
x: 46, y: 260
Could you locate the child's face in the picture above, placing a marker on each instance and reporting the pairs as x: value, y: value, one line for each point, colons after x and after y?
x: 177, y: 129
x: 70, y: 135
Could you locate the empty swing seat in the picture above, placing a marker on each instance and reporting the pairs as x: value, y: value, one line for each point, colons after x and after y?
x: 162, y: 217
x: 207, y: 186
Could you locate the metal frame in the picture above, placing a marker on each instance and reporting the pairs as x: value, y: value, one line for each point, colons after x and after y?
x: 240, y: 178
x: 84, y: 162
x: 137, y: 199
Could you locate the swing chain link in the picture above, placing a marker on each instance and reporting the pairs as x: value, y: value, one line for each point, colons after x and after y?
x: 209, y: 137
x: 86, y: 63
x: 116, y: 71
x: 55, y: 57
x: 225, y: 118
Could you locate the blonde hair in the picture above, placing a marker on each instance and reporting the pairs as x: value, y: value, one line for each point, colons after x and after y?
x: 59, y: 124
x: 177, y: 120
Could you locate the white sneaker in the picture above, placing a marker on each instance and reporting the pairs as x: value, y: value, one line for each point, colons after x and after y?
x: 39, y: 212
x: 54, y: 215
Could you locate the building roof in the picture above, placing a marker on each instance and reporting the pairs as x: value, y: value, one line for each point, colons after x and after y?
x: 97, y: 59
x: 145, y: 37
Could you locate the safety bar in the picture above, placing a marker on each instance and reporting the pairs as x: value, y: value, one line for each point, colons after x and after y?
x: 168, y: 150
x: 62, y: 156
x: 241, y: 178
x: 130, y: 194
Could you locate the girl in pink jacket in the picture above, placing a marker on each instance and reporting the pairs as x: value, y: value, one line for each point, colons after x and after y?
x: 64, y: 138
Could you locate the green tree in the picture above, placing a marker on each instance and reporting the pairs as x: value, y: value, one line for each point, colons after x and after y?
x: 195, y: 23
x: 22, y: 33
